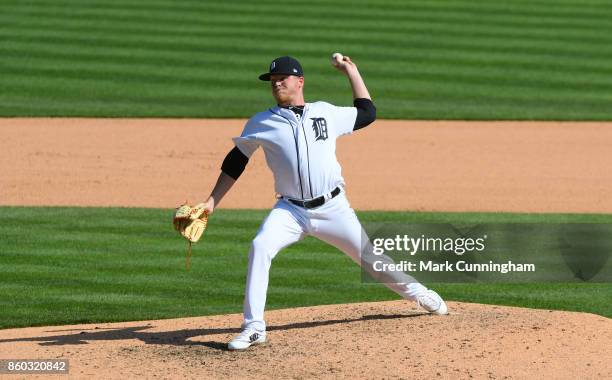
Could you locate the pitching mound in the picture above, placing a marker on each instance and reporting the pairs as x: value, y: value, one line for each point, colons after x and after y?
x: 373, y: 340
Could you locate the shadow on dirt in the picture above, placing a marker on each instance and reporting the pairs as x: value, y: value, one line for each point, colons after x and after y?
x: 180, y: 337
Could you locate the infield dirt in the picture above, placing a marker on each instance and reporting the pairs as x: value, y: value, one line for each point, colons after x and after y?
x: 393, y: 165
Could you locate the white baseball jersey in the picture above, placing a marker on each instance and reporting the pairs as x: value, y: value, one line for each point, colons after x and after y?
x: 300, y: 151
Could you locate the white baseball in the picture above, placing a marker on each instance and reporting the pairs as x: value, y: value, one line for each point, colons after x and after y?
x: 336, y: 58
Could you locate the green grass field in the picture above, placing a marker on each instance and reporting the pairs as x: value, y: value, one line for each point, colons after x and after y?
x: 472, y: 60
x: 422, y: 60
x: 69, y: 265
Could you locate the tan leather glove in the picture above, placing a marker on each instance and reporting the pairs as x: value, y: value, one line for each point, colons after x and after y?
x: 190, y: 222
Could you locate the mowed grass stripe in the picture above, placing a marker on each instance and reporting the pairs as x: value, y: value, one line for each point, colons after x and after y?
x: 492, y: 18
x: 324, y: 22
x: 430, y: 77
x: 17, y: 106
x: 124, y: 56
x: 107, y: 264
x: 30, y: 53
x: 471, y: 42
x: 560, y: 7
x: 560, y: 87
x: 560, y: 95
x: 428, y: 105
x: 409, y: 24
x: 223, y: 41
x: 201, y: 67
x: 127, y: 38
x: 443, y: 56
x: 181, y: 97
x: 237, y: 23
x: 449, y: 11
x: 220, y: 48
x: 597, y: 77
x: 420, y: 108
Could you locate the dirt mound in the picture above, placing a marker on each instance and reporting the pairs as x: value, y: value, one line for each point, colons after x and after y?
x: 366, y: 340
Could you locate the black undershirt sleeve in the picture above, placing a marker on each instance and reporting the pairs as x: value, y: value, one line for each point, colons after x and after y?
x: 234, y: 163
x: 366, y: 113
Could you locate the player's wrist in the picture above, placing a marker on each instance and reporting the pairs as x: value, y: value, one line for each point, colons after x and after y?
x: 210, y: 203
x: 353, y: 73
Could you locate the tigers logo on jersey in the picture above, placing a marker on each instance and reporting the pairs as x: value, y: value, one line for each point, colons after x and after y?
x: 319, y: 125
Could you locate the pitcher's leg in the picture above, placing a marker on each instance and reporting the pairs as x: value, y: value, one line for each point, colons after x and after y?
x: 341, y: 228
x: 280, y: 229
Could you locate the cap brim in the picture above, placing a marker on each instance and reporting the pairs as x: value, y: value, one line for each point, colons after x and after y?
x: 266, y: 76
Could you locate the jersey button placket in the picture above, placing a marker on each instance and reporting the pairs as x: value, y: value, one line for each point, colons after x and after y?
x: 301, y: 124
x: 295, y: 129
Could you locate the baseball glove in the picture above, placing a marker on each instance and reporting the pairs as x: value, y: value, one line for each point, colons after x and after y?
x: 191, y: 223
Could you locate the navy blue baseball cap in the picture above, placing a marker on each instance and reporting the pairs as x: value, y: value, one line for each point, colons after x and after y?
x: 283, y: 66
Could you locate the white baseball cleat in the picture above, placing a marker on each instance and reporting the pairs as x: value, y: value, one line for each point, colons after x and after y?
x: 247, y: 338
x: 432, y: 302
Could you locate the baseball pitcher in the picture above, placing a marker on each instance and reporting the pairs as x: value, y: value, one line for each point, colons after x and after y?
x: 299, y: 143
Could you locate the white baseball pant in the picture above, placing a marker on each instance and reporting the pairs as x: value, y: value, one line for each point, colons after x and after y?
x: 336, y: 223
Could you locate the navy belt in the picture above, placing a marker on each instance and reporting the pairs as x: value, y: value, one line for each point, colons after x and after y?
x: 315, y: 202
